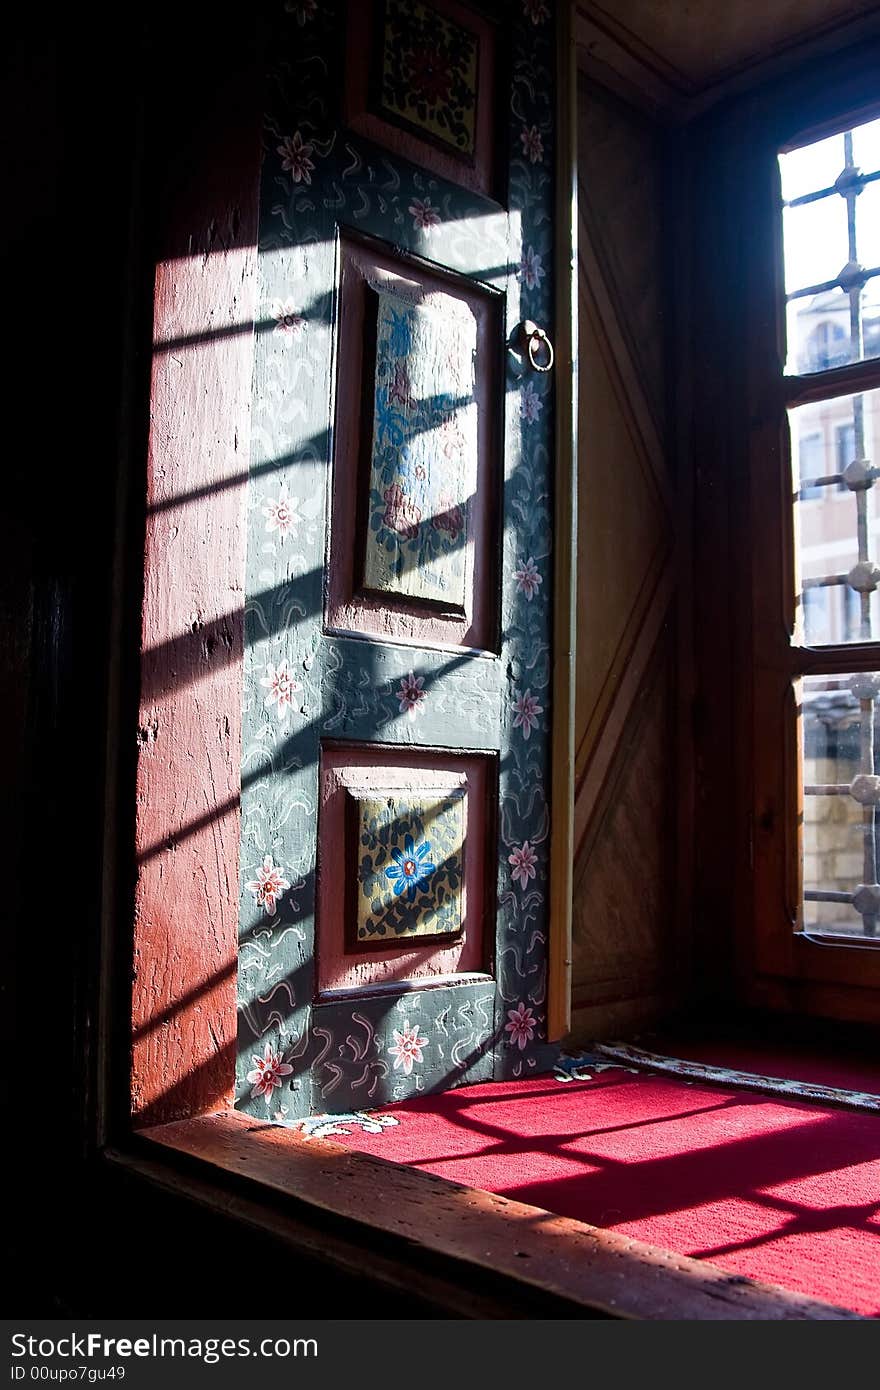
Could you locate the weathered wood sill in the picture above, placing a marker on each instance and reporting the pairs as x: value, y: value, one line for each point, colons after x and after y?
x: 472, y: 1253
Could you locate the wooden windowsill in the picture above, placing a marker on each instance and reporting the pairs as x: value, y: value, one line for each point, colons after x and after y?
x: 459, y: 1237
x: 832, y: 938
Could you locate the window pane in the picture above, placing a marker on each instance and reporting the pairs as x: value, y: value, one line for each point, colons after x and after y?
x: 841, y: 786
x: 835, y: 445
x: 815, y: 241
x: 866, y: 146
x: 811, y: 454
x: 833, y: 240
x: 811, y: 167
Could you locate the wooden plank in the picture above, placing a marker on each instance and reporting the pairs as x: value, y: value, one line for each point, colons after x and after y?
x: 596, y: 773
x: 819, y: 998
x: 622, y: 56
x: 624, y: 468
x: 184, y: 951
x: 583, y: 1266
x: 604, y: 58
x: 342, y: 1264
x: 562, y: 753
x: 624, y: 875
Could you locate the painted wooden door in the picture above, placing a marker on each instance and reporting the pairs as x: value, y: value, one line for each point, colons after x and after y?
x: 395, y: 821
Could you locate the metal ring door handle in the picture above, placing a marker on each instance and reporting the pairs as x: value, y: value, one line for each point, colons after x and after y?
x: 535, y: 343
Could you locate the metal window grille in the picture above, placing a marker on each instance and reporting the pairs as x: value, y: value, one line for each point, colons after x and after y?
x: 856, y: 473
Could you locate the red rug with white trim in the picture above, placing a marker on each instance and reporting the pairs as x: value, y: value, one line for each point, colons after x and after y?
x: 784, y: 1191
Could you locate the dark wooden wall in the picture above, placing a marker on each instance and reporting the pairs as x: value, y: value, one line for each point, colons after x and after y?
x: 67, y: 182
x: 630, y: 907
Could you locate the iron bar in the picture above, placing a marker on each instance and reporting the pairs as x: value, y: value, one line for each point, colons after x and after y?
x: 798, y: 202
x: 855, y: 282
x: 830, y: 479
x: 824, y: 581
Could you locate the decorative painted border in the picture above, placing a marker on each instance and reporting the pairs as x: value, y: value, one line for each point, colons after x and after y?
x: 604, y: 1056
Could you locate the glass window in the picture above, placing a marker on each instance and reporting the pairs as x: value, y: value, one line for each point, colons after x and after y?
x: 811, y: 452
x: 841, y: 796
x: 845, y: 448
x: 836, y: 442
x: 831, y: 244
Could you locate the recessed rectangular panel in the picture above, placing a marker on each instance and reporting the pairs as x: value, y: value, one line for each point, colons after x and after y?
x: 428, y: 76
x: 421, y: 80
x: 409, y: 848
x: 423, y: 452
x: 403, y: 883
x: 414, y: 533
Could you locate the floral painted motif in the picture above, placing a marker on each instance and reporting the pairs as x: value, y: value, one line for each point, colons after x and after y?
x: 523, y: 862
x: 296, y: 157
x: 536, y: 11
x: 530, y: 404
x: 282, y: 515
x: 409, y: 884
x: 450, y: 518
x: 399, y: 327
x: 302, y: 10
x: 423, y: 465
x: 280, y: 686
x: 526, y: 710
x: 407, y: 1047
x: 326, y: 1126
x: 401, y: 513
x: 531, y: 269
x: 412, y: 867
x: 532, y: 144
x: 268, y: 885
x: 424, y: 215
x: 429, y: 74
x: 584, y: 1067
x: 267, y: 1073
x: 410, y: 694
x: 399, y: 392
x: 287, y: 320
x: 528, y: 578
x: 521, y: 1026
x: 450, y: 437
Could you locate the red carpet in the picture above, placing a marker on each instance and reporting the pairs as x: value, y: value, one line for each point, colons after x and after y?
x: 781, y: 1191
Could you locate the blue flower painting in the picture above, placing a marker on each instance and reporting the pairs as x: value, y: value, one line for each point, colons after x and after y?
x: 411, y: 867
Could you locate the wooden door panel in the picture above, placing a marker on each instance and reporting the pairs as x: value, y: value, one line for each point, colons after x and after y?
x: 370, y: 686
x: 372, y: 928
x: 378, y: 683
x: 413, y: 552
x: 399, y: 93
x: 627, y: 946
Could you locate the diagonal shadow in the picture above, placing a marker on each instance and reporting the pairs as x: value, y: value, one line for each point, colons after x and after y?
x: 288, y: 753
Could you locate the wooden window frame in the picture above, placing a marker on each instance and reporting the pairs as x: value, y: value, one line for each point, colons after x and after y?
x: 753, y: 545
